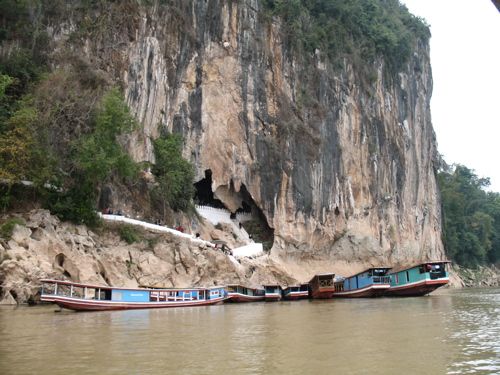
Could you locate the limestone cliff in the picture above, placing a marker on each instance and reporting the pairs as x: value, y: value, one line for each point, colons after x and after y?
x: 338, y: 165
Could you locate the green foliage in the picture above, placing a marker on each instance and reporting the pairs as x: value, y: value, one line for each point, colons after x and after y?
x: 129, y: 234
x: 5, y: 81
x: 98, y: 157
x: 99, y: 153
x: 7, y: 228
x: 357, y: 29
x: 174, y: 174
x: 16, y: 145
x: 471, y: 217
x: 76, y: 203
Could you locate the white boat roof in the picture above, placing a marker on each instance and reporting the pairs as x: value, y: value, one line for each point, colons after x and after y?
x: 107, y: 287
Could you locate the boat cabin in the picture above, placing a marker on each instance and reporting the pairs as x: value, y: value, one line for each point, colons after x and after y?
x: 419, y: 279
x: 322, y: 285
x: 368, y: 283
x: 78, y: 296
x: 272, y: 292
x: 240, y: 293
x: 296, y: 292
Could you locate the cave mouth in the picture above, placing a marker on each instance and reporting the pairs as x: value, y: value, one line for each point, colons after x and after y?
x: 60, y: 259
x: 241, y: 206
x: 204, y: 196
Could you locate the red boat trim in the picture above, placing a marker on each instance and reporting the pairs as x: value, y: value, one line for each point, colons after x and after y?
x: 369, y: 288
x: 88, y: 305
x: 105, y: 287
x: 239, y: 297
x: 292, y: 295
x: 441, y: 281
x: 272, y: 297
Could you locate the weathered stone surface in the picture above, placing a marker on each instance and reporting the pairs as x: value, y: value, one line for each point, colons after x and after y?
x: 359, y: 163
x: 158, y: 260
x: 345, y: 182
x: 20, y: 234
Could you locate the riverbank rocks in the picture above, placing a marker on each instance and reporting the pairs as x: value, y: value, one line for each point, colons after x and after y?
x: 48, y: 248
x: 480, y: 277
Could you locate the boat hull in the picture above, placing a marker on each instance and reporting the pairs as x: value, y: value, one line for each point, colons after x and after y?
x: 323, y: 293
x: 78, y: 304
x: 416, y: 289
x: 239, y: 297
x: 292, y: 296
x: 272, y: 297
x: 374, y: 290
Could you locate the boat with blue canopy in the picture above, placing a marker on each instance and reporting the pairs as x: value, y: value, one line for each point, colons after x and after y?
x: 272, y: 293
x: 371, y: 282
x: 240, y: 293
x: 86, y: 297
x: 418, y: 280
x: 295, y: 292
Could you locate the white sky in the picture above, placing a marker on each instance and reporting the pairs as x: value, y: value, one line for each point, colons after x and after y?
x: 465, y: 60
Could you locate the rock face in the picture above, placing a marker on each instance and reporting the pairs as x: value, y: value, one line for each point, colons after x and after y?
x: 47, y: 248
x: 340, y: 166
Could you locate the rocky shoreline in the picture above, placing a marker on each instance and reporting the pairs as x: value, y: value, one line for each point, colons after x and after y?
x: 482, y: 276
x: 45, y: 247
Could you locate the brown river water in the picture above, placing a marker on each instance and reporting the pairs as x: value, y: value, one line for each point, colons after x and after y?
x: 449, y: 332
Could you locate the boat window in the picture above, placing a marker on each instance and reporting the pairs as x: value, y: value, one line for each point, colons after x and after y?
x: 379, y: 272
x: 407, y: 276
x: 106, y: 294
x: 48, y: 288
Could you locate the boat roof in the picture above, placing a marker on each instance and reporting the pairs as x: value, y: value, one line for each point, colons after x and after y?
x: 107, y: 287
x: 323, y: 274
x: 296, y: 285
x: 243, y: 286
x: 368, y: 269
x: 264, y: 285
x: 406, y: 267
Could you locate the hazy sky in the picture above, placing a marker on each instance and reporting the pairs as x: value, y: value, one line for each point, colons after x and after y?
x: 465, y: 60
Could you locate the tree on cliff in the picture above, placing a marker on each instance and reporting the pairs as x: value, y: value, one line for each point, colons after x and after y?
x: 471, y: 217
x: 174, y: 174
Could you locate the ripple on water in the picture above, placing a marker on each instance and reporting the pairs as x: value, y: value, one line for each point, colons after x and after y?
x: 475, y: 327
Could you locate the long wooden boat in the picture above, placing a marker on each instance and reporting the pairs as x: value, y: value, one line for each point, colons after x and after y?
x: 322, y: 285
x: 418, y: 280
x: 85, y: 297
x: 240, y: 293
x: 272, y: 293
x: 295, y: 292
x: 372, y: 282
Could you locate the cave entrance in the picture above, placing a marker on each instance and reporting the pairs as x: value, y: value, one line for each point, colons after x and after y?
x: 241, y: 206
x: 204, y: 196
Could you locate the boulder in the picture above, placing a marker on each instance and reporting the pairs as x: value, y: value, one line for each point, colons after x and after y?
x: 20, y: 234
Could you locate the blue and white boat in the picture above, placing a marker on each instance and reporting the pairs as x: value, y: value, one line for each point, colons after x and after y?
x: 418, y: 280
x: 295, y: 292
x: 372, y: 282
x: 86, y: 297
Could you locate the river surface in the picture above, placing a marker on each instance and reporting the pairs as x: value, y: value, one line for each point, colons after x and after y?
x: 449, y: 332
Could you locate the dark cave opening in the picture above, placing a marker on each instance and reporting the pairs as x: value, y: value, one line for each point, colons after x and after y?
x: 60, y: 259
x: 241, y: 206
x: 204, y: 196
